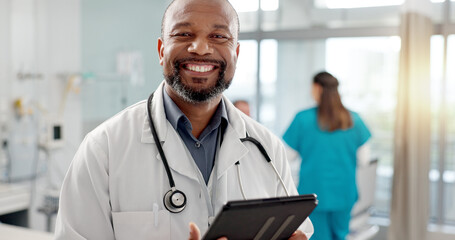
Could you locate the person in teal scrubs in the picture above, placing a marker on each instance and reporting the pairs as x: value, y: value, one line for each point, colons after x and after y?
x: 328, y: 138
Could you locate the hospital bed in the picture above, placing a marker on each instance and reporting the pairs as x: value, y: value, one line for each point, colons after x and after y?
x: 360, y: 228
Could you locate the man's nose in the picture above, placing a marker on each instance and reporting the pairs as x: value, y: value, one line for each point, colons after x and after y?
x: 200, y: 46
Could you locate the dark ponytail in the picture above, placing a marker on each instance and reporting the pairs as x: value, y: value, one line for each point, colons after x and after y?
x: 332, y: 115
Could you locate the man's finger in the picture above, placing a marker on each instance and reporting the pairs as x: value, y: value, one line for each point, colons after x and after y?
x: 298, y: 235
x: 195, y: 234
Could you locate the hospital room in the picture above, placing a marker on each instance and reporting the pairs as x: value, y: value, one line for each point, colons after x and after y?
x: 227, y: 119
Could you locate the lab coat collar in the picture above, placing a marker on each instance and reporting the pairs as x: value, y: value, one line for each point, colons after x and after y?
x: 158, y: 116
x: 231, y: 151
x: 160, y: 121
x: 178, y: 157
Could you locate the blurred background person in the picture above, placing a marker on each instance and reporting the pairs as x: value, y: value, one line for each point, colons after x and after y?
x: 292, y: 155
x: 330, y: 140
x: 243, y: 106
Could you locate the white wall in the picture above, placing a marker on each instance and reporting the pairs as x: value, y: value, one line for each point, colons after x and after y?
x: 4, y: 62
x: 42, y: 38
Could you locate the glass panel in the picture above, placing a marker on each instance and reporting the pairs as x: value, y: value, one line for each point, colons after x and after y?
x: 439, y: 9
x: 244, y: 83
x: 248, y: 14
x: 245, y: 6
x: 437, y: 12
x: 437, y: 51
x: 268, y: 76
x: 356, y: 3
x: 270, y: 5
x: 367, y: 69
x: 286, y: 68
x: 452, y: 11
x: 285, y: 88
x: 449, y: 174
x: 293, y: 14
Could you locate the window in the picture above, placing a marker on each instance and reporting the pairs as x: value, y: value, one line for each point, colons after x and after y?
x: 442, y: 173
x: 270, y: 5
x: 253, y: 5
x: 449, y: 173
x: 363, y: 65
x: 367, y: 69
x: 245, y: 6
x: 268, y: 78
x: 244, y: 84
x: 437, y: 66
x: 356, y: 3
x: 334, y: 14
x: 248, y: 12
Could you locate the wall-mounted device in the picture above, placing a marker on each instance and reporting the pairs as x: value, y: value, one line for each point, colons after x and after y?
x: 54, y: 136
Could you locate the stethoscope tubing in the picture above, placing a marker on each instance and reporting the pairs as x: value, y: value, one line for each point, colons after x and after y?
x: 169, y: 173
x: 158, y: 143
x: 267, y: 158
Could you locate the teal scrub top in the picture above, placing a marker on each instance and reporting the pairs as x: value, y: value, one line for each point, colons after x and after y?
x: 329, y: 159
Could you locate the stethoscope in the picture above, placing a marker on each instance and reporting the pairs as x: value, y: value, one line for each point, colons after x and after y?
x: 175, y: 200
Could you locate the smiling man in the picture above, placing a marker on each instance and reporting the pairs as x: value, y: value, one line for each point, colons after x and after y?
x: 175, y: 159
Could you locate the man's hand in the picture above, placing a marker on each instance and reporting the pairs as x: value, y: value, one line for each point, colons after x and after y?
x: 298, y: 235
x: 195, y: 234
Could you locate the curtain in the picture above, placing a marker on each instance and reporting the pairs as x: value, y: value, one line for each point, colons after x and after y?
x: 410, y: 191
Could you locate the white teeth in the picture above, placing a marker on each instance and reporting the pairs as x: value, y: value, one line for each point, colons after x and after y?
x: 198, y: 68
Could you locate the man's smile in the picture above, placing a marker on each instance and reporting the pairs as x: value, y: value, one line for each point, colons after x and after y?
x: 200, y: 68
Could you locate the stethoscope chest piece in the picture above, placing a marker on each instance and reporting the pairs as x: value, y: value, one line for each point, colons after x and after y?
x: 174, y: 200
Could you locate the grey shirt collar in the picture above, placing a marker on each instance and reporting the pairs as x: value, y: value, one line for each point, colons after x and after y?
x: 175, y: 116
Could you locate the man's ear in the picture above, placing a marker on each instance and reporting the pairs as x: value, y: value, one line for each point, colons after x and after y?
x: 160, y: 50
x: 237, y: 50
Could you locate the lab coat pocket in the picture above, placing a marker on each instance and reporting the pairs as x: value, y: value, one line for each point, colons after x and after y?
x: 141, y: 225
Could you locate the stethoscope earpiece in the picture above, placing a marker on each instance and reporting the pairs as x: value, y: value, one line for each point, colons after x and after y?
x: 174, y: 201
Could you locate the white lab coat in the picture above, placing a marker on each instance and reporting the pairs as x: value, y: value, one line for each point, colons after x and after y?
x: 116, y: 181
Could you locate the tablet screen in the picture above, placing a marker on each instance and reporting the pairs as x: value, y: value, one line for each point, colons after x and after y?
x: 269, y: 218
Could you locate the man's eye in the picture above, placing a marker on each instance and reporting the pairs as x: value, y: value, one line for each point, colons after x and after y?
x: 219, y: 37
x: 183, y: 34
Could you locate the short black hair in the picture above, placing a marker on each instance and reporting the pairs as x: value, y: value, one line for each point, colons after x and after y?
x: 172, y: 3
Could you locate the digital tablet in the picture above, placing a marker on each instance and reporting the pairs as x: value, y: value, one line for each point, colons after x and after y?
x: 269, y: 218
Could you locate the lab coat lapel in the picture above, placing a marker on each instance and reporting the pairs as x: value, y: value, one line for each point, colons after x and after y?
x: 179, y: 159
x: 178, y: 156
x: 231, y: 151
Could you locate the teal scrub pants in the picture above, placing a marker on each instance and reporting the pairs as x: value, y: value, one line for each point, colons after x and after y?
x: 330, y: 225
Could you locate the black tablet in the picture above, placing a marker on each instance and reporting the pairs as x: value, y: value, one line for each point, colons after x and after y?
x: 269, y: 218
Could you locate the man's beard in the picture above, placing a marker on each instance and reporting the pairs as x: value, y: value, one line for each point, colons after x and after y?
x: 193, y: 95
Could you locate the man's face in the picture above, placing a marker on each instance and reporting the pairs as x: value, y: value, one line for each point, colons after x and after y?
x: 199, y: 49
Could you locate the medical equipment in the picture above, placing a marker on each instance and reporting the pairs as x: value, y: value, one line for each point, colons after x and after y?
x: 175, y: 200
x: 21, y: 148
x: 50, y: 206
x: 54, y: 136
